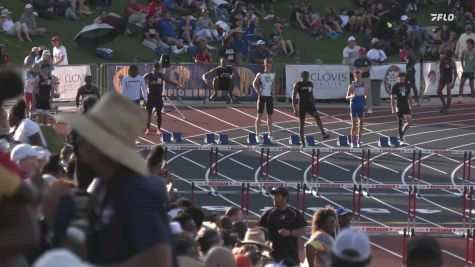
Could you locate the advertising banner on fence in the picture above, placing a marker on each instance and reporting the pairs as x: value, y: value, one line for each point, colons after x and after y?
x: 190, y: 76
x: 330, y: 81
x: 387, y: 74
x: 70, y: 79
x: 432, y: 75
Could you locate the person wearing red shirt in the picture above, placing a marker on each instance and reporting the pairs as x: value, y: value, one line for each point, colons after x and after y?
x: 155, y: 8
x: 204, y: 56
x: 4, y: 57
x: 133, y: 13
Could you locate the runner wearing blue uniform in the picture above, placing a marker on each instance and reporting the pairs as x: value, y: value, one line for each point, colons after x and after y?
x: 356, y: 94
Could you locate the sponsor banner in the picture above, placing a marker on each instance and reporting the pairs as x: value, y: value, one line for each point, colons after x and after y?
x: 190, y: 76
x: 387, y: 74
x: 432, y: 76
x: 70, y: 79
x: 330, y: 81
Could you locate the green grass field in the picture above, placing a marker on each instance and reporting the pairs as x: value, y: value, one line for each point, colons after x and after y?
x: 126, y: 48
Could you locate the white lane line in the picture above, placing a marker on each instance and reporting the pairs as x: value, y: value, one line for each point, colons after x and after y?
x: 194, y: 162
x: 242, y: 164
x: 337, y: 166
x: 386, y: 250
x: 289, y: 165
x: 214, y: 117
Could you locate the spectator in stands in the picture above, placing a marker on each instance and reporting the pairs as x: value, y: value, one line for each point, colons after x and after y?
x: 133, y: 14
x: 352, y: 248
x: 259, y: 53
x: 400, y: 37
x: 138, y: 233
x: 60, y: 56
x: 151, y: 38
x: 300, y: 18
x: 284, y: 239
x: 204, y: 56
x: 462, y: 41
x: 279, y: 44
x: 344, y: 18
x: 424, y: 251
x: 238, y: 15
x: 45, y: 59
x: 417, y: 34
x: 46, y: 86
x: 187, y: 251
x: 31, y: 74
x: 241, y: 44
x: 187, y: 223
x: 13, y: 28
x: 187, y: 29
x: 318, y: 248
x: 29, y: 19
x: 155, y: 8
x: 360, y: 18
x: 207, y: 238
x: 86, y: 90
x: 376, y: 54
x: 251, y: 16
x: 442, y: 35
x: 168, y: 34
x: 344, y: 217
x: 432, y: 54
x: 229, y: 52
x: 234, y: 213
x: 205, y: 27
x: 24, y: 129
x: 64, y: 8
x: 26, y: 158
x: 4, y: 57
x: 331, y: 21
x: 219, y: 257
x: 111, y: 18
x: 30, y: 59
x: 351, y: 52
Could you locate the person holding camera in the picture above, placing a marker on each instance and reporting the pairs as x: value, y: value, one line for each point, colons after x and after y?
x: 224, y: 80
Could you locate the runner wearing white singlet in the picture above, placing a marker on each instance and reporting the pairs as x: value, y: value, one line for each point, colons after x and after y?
x: 264, y: 86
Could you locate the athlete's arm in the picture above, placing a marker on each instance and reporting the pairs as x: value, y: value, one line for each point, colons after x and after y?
x: 143, y: 87
x: 393, y: 103
x: 349, y: 93
x: 294, y: 103
x: 310, y: 256
x: 455, y: 72
x: 255, y: 83
x: 78, y: 95
x: 213, y: 71
x: 299, y: 231
x: 462, y: 62
x: 409, y: 99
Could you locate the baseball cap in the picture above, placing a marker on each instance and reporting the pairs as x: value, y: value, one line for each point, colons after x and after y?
x: 352, y: 245
x: 22, y: 151
x: 468, y: 27
x: 261, y: 42
x: 28, y: 6
x: 362, y: 50
x: 280, y: 190
x: 34, y: 49
x: 351, y: 38
x: 404, y: 17
x: 46, y: 53
x: 55, y: 39
x: 60, y: 257
x: 343, y: 211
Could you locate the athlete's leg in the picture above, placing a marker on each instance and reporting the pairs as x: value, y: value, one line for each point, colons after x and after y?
x: 149, y: 107
x: 400, y: 122
x: 462, y: 84
x: 258, y: 123
x: 412, y: 85
x: 449, y: 95
x: 301, y: 129
x: 318, y: 121
x: 158, y: 108
x: 408, y: 118
x: 270, y: 111
x: 354, y: 122
x: 441, y: 96
x: 360, y: 128
x: 215, y: 89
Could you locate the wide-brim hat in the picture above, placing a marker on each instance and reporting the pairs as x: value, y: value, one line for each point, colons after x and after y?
x: 112, y: 126
x: 5, y: 12
x: 256, y: 236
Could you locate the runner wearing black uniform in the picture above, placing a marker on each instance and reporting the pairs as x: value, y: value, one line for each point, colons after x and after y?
x: 154, y: 81
x: 448, y: 75
x: 225, y: 75
x: 401, y: 104
x: 305, y: 90
x: 86, y: 90
x: 46, y: 85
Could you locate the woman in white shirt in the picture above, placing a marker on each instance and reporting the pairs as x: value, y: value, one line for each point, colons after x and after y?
x: 24, y: 130
x: 13, y: 28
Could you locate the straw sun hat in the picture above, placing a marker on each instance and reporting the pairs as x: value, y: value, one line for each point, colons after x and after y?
x: 112, y: 126
x: 257, y: 237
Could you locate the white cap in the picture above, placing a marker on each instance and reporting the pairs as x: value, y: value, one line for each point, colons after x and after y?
x: 46, y: 52
x: 174, y: 212
x: 28, y: 6
x: 261, y: 42
x: 404, y: 17
x: 22, y: 151
x: 59, y: 258
x: 176, y: 228
x: 351, y: 38
x: 352, y: 245
x: 43, y: 153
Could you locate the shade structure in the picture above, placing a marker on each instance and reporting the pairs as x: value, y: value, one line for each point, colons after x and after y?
x: 94, y: 35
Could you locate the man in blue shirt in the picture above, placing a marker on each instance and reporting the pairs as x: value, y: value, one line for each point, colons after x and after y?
x: 166, y: 29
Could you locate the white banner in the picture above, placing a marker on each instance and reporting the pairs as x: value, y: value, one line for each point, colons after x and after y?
x: 70, y: 78
x: 388, y: 76
x: 330, y: 81
x: 432, y: 75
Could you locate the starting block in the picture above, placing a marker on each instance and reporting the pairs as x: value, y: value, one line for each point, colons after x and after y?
x: 343, y: 140
x: 251, y: 139
x: 210, y: 138
x: 294, y: 140
x: 394, y: 141
x: 176, y: 137
x: 383, y: 141
x: 223, y: 139
x: 166, y: 137
x: 310, y: 140
x: 266, y: 139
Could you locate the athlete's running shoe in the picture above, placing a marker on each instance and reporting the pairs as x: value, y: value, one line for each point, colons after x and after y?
x: 325, y: 136
x: 459, y: 101
x: 158, y: 132
x: 148, y: 132
x: 258, y: 139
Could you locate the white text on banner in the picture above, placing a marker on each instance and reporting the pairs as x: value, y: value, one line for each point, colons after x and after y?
x: 70, y: 78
